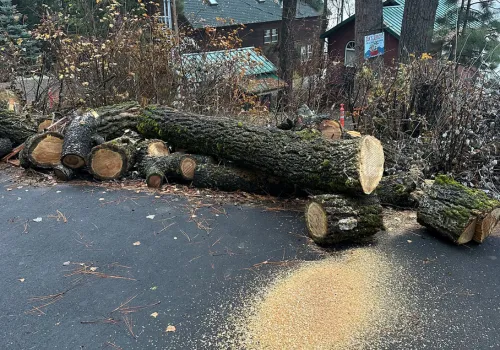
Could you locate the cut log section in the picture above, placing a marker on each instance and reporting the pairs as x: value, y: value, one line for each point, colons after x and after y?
x: 397, y: 190
x: 456, y: 212
x: 177, y: 166
x: 42, y: 151
x: 63, y: 173
x: 230, y: 178
x: 333, y: 219
x: 5, y: 147
x: 112, y: 159
x: 44, y: 125
x: 151, y: 148
x: 78, y: 141
x: 302, y: 158
x: 330, y: 129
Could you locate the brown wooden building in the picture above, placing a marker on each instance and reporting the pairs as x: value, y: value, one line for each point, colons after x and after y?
x: 261, y: 20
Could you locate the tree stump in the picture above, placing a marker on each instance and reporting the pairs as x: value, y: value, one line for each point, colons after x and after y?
x: 112, y: 159
x: 336, y: 218
x: 42, y: 151
x: 456, y: 212
x: 78, y: 141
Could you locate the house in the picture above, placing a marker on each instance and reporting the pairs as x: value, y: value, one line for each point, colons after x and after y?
x: 340, y: 38
x: 261, y: 20
x: 254, y: 73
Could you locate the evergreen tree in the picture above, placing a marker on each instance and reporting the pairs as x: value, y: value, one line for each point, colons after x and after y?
x: 15, y: 40
x: 470, y: 33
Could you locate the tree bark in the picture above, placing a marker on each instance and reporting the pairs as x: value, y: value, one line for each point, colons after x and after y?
x: 301, y: 158
x: 78, y: 141
x: 112, y: 159
x: 42, y: 151
x: 230, y: 179
x: 333, y: 219
x: 63, y: 173
x: 369, y: 21
x: 151, y: 148
x: 418, y: 27
x: 15, y: 127
x: 456, y: 212
x: 396, y: 190
x: 5, y: 147
x: 287, y: 50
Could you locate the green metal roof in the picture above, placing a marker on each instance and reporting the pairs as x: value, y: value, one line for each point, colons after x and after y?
x: 393, y: 17
x: 246, y: 59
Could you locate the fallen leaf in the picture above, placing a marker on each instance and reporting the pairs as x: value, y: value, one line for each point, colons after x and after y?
x: 153, y: 288
x: 66, y: 263
x: 9, y: 189
x: 157, y: 197
x: 93, y: 268
x: 150, y: 217
x: 21, y: 280
x: 409, y: 241
x: 101, y: 199
x: 170, y: 328
x: 137, y: 243
x: 38, y: 219
x: 154, y: 314
x: 58, y: 191
x: 19, y: 187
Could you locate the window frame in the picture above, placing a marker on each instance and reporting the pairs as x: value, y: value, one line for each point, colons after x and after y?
x: 351, y: 48
x: 267, y: 36
x: 274, y: 35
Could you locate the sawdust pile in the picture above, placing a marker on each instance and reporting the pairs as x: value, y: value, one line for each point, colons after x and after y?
x: 346, y: 302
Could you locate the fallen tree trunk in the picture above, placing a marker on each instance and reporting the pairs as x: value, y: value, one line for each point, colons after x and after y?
x: 177, y: 166
x: 15, y: 127
x: 302, y: 158
x: 230, y: 178
x: 151, y: 148
x: 112, y: 159
x: 5, y: 147
x: 336, y: 218
x: 63, y: 173
x: 42, y: 151
x: 396, y: 190
x: 456, y: 212
x: 78, y: 141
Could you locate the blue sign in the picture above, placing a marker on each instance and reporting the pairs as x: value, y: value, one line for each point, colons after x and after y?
x: 374, y: 45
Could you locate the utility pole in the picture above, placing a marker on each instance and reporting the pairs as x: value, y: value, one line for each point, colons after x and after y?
x: 176, y: 25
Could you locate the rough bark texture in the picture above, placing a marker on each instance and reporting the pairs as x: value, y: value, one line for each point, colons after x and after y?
x: 336, y: 218
x: 417, y: 28
x: 151, y: 148
x: 112, y: 159
x: 301, y: 158
x: 78, y: 141
x: 115, y: 119
x: 287, y: 50
x: 15, y: 127
x: 5, y: 147
x: 396, y: 190
x: 63, y: 173
x: 42, y: 151
x: 457, y: 212
x: 368, y: 21
x: 230, y: 178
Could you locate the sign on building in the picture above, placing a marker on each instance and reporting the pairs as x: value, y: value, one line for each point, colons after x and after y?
x: 374, y: 45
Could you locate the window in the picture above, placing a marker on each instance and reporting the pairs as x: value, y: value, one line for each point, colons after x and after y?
x: 306, y: 53
x: 270, y: 36
x: 350, y: 54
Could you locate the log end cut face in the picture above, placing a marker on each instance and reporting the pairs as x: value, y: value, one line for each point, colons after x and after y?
x: 468, y: 233
x: 317, y: 223
x: 107, y: 164
x: 485, y: 227
x: 371, y: 163
x: 155, y: 181
x: 73, y: 161
x: 187, y: 166
x: 158, y: 149
x: 48, y: 151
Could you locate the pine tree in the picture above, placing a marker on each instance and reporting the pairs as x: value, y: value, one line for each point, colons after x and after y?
x: 15, y: 40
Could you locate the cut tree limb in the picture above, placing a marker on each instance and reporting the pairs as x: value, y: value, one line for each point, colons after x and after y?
x: 397, y: 190
x: 302, y: 158
x: 456, y: 212
x: 112, y: 159
x: 336, y: 218
x: 63, y: 173
x: 15, y: 127
x: 42, y: 151
x: 78, y: 141
x: 5, y: 147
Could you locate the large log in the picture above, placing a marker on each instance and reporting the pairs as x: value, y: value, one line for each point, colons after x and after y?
x: 226, y: 177
x: 15, y: 127
x: 397, y: 190
x: 336, y: 218
x: 112, y: 159
x: 151, y: 148
x: 63, y: 173
x: 5, y: 147
x: 42, y: 151
x: 78, y: 141
x: 456, y: 212
x: 174, y: 167
x: 303, y: 158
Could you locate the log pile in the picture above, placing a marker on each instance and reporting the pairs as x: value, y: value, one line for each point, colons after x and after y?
x: 342, y: 170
